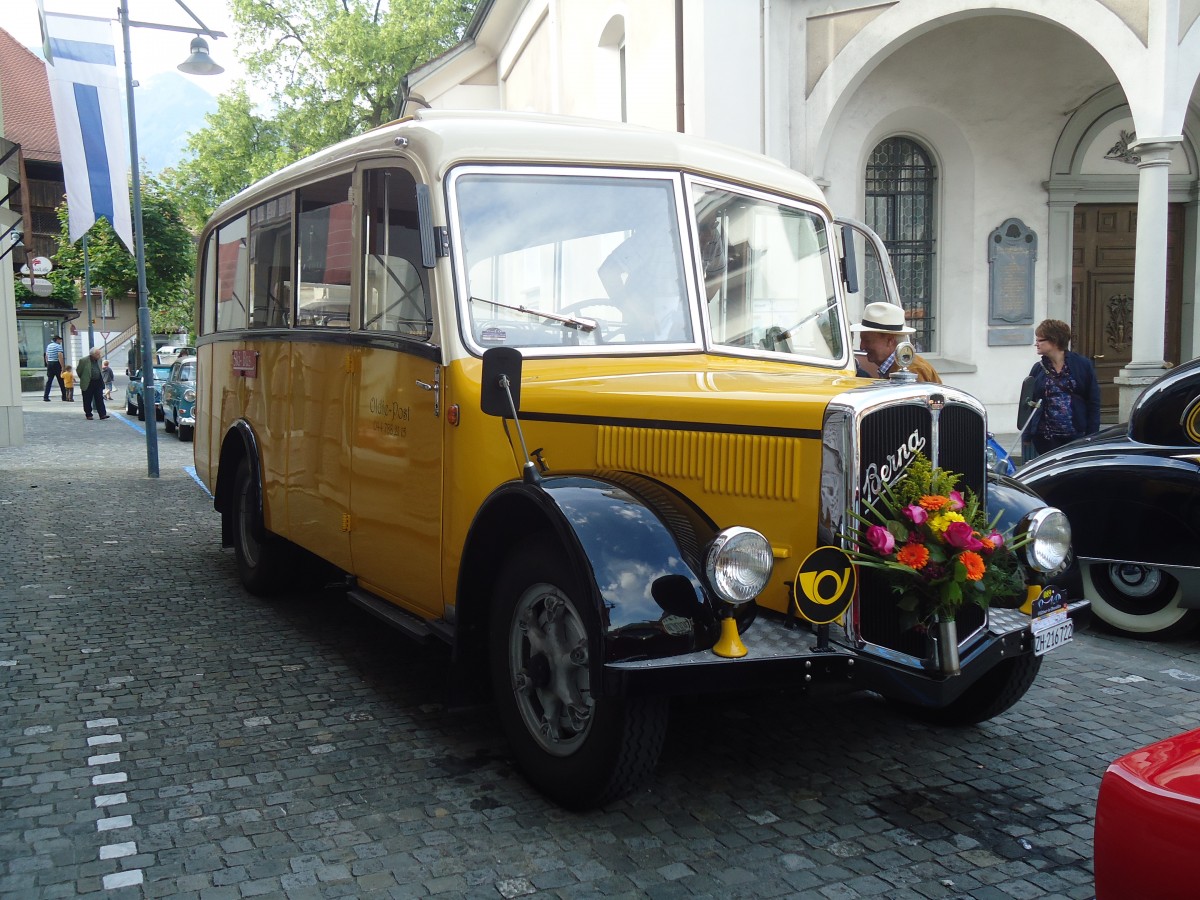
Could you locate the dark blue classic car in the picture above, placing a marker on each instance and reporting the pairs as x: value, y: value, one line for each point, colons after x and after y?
x: 179, y: 398
x: 134, y: 404
x: 1132, y: 494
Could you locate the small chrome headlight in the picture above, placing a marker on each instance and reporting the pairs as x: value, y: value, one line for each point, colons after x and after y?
x: 189, y: 395
x: 738, y: 564
x: 1049, y: 539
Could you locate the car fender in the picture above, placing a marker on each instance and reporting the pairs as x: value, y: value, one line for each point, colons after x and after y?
x: 1133, y: 507
x: 636, y: 545
x: 1011, y: 500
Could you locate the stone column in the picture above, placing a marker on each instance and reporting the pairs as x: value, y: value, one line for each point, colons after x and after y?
x: 1150, y: 271
x: 1059, y: 244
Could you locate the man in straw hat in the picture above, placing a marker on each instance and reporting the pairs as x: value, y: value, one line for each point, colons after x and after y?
x: 881, y: 329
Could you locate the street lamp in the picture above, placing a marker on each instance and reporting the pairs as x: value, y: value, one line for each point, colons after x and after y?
x: 198, y: 63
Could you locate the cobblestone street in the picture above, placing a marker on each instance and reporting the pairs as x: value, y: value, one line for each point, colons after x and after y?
x: 164, y: 733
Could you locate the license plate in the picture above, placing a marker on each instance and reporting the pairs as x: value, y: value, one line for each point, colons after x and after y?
x: 1053, y: 637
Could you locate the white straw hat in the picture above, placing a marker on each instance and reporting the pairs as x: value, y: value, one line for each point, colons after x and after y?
x: 886, y: 318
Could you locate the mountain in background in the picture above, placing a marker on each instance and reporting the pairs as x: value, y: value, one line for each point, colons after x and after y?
x: 169, y: 107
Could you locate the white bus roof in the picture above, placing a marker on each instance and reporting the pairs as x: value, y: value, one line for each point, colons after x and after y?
x: 443, y: 138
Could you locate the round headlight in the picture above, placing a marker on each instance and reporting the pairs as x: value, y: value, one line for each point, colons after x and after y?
x: 1049, y: 539
x: 738, y: 564
x: 189, y: 395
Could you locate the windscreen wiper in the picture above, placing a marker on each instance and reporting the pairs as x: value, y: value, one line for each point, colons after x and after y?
x: 584, y: 325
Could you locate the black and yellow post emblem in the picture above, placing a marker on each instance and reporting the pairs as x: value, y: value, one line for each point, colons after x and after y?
x: 1191, y: 421
x: 824, y: 585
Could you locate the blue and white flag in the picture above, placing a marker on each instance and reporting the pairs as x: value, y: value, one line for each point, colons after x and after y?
x: 81, y: 66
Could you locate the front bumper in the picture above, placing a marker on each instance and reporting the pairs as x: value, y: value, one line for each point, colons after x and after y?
x: 785, y: 654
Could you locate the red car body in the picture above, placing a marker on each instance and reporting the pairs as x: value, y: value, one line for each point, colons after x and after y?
x: 1147, y: 839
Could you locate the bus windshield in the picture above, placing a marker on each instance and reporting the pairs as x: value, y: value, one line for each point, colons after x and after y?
x: 570, y: 259
x: 767, y: 275
x: 602, y: 252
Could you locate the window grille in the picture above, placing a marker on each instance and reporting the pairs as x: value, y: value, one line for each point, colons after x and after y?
x: 900, y: 182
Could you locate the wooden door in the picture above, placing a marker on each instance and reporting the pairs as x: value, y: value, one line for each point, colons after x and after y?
x: 1102, y: 290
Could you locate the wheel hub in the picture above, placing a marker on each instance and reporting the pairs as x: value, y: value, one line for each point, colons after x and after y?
x: 549, y: 657
x: 1135, y: 580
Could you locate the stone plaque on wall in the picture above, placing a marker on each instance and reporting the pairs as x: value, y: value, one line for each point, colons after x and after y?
x: 1012, y: 253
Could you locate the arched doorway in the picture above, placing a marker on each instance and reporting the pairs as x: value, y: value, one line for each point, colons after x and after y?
x: 1093, y: 194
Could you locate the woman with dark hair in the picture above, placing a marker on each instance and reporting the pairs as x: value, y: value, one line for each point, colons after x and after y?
x: 1065, y: 390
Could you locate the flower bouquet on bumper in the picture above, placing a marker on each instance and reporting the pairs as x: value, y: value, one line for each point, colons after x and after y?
x: 937, y: 551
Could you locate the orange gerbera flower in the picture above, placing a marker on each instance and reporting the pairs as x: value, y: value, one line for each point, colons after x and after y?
x: 974, y: 563
x: 913, y: 555
x: 933, y: 501
x: 988, y: 546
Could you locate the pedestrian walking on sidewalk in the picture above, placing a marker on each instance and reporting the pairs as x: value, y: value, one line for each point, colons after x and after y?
x: 68, y: 377
x: 54, y: 367
x: 91, y: 382
x: 107, y: 372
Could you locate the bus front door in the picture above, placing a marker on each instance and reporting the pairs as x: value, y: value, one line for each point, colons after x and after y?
x: 396, y: 487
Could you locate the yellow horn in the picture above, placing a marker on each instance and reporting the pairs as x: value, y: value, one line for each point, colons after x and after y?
x: 1031, y: 594
x: 730, y: 643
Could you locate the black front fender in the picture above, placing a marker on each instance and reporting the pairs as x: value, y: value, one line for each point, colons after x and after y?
x: 1011, y: 499
x: 1014, y: 500
x: 636, y: 546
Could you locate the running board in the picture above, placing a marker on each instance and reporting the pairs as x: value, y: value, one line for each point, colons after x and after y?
x: 411, y: 625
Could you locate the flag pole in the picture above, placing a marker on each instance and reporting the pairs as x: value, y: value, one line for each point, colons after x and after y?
x: 87, y: 292
x: 140, y: 256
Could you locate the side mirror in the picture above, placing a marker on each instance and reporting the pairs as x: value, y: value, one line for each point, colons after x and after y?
x: 849, y: 260
x: 501, y: 380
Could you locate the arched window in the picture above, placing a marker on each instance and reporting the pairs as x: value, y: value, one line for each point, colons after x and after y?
x: 900, y: 195
x: 611, y: 85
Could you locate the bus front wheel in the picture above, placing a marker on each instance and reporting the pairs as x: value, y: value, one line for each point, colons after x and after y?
x: 261, y: 556
x: 578, y: 749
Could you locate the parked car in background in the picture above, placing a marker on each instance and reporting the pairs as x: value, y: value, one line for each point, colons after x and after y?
x: 134, y: 403
x: 167, y: 354
x: 1148, y: 822
x: 1132, y: 494
x: 179, y: 398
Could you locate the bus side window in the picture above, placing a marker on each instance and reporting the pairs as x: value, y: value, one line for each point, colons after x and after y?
x: 271, y: 263
x: 325, y: 249
x: 233, y: 267
x: 395, y: 298
x: 208, y: 289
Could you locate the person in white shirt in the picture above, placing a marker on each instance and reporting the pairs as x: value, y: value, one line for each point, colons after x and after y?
x: 54, y: 367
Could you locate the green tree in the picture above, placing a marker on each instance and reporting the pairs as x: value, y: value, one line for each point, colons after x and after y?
x: 170, y: 259
x: 236, y: 147
x: 333, y: 69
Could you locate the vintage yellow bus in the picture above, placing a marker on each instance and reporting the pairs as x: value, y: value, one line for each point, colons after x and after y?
x: 580, y: 400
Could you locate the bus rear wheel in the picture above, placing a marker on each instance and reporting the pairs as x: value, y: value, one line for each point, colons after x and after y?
x: 580, y: 750
x: 262, y: 557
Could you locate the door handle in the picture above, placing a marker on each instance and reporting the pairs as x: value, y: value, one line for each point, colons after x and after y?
x: 425, y: 386
x: 1098, y: 356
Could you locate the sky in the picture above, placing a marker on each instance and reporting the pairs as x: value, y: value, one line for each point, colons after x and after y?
x: 153, y: 51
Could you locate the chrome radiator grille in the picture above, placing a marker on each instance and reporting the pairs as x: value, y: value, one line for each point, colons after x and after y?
x: 953, y: 436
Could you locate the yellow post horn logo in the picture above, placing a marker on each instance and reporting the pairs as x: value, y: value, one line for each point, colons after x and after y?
x: 824, y: 585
